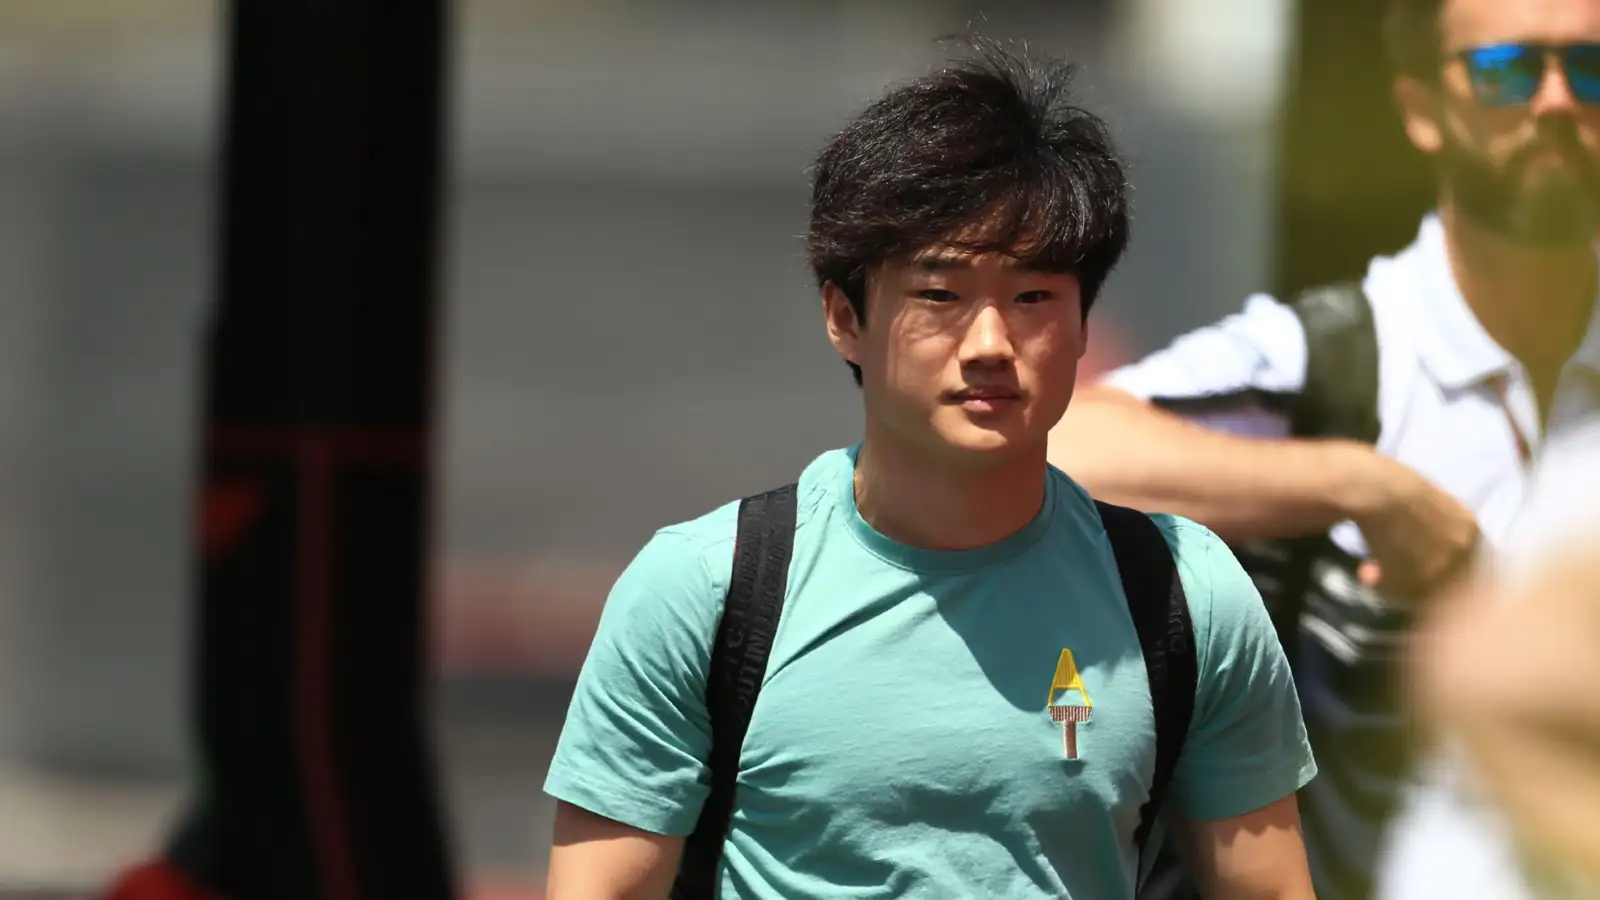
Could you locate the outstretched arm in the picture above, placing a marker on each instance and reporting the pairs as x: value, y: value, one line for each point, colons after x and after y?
x: 1126, y: 450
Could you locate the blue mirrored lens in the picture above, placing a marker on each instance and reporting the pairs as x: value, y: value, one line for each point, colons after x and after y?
x: 1504, y: 74
x: 1582, y: 65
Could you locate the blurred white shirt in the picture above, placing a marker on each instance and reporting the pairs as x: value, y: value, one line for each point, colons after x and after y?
x: 1446, y: 844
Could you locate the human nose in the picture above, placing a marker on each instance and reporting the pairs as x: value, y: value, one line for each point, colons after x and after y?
x: 988, y: 338
x: 1555, y: 93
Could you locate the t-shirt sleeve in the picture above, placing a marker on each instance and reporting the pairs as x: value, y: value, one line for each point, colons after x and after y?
x: 1247, y: 745
x: 637, y: 734
x: 1238, y: 375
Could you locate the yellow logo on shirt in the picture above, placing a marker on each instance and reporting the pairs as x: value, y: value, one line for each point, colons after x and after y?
x: 1068, y: 714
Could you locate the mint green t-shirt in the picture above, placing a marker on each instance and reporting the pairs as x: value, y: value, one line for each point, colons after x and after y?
x: 903, y: 744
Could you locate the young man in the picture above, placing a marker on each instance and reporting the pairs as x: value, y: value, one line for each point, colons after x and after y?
x: 1465, y: 332
x: 948, y: 590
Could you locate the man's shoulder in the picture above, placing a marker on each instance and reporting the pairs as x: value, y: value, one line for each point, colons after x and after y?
x: 1262, y: 349
x: 1224, y: 603
x: 1182, y: 534
x: 1193, y: 546
x: 672, y: 591
x: 1189, y: 540
x: 703, y: 534
x: 1204, y: 562
x: 1258, y: 351
x: 708, y: 539
x: 1216, y: 586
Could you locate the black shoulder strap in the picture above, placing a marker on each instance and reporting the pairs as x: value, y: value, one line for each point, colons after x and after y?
x: 1338, y: 400
x: 1340, y: 397
x: 738, y: 664
x: 1160, y: 613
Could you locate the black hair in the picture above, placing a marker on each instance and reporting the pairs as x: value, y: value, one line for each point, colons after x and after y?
x: 1412, y: 37
x: 989, y: 154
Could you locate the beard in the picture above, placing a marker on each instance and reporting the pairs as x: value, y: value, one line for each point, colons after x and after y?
x: 1546, y: 207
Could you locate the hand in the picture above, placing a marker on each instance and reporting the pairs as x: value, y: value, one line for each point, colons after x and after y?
x: 1420, y: 539
x: 1511, y: 676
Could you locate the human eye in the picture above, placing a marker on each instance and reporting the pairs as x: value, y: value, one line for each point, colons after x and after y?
x: 937, y: 295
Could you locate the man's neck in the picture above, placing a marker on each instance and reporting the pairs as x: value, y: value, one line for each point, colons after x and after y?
x: 931, y: 504
x: 1535, y: 302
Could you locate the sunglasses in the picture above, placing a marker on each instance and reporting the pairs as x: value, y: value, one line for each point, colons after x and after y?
x: 1510, y: 74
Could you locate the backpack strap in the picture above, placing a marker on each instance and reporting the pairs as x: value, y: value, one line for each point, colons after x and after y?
x: 1339, y: 399
x: 1160, y: 611
x: 749, y: 621
x: 1340, y: 395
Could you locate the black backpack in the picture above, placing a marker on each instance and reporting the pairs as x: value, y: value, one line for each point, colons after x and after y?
x: 1340, y: 639
x: 1339, y: 399
x: 749, y: 621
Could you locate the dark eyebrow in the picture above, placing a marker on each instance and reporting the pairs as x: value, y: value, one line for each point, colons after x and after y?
x: 943, y: 263
x: 950, y: 263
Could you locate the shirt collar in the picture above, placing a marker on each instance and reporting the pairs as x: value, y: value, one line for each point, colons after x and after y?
x: 1588, y: 353
x: 1578, y: 396
x: 1455, y: 348
x: 1453, y: 344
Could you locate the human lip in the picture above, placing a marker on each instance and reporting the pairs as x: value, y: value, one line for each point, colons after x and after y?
x: 985, y: 399
x: 1547, y: 153
x: 987, y: 393
x: 1551, y: 156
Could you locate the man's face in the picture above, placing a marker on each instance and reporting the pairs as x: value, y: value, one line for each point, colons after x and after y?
x: 1530, y: 171
x: 969, y: 357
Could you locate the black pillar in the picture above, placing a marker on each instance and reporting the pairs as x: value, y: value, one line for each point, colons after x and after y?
x: 1350, y: 185
x: 311, y: 677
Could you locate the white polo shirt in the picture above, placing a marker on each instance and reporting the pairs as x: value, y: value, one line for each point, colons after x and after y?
x: 1452, y: 404
x: 1445, y: 844
x: 1439, y: 382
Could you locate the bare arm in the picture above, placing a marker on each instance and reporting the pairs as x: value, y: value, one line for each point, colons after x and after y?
x: 1127, y: 451
x: 1256, y: 856
x: 595, y: 858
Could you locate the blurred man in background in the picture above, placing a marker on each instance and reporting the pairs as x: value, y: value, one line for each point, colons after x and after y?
x: 1355, y: 442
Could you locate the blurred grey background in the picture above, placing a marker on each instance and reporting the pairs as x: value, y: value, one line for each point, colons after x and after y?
x: 630, y: 338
